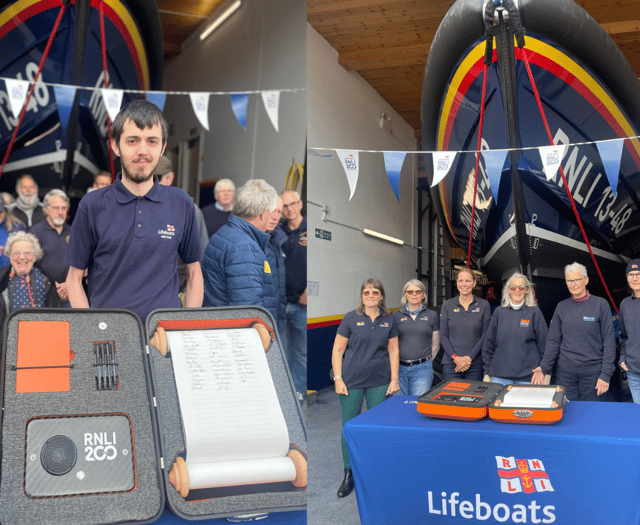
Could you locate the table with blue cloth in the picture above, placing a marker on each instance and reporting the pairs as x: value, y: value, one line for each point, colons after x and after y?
x: 411, y: 469
x: 275, y: 518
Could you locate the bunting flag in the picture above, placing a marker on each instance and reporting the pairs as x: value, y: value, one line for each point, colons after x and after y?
x: 200, y: 103
x: 349, y: 160
x: 65, y: 96
x: 442, y: 161
x: 17, y: 90
x: 551, y: 158
x: 159, y: 99
x: 611, y: 155
x: 493, y: 163
x: 112, y: 99
x: 314, y: 153
x: 239, y: 105
x: 393, y: 163
x: 271, y: 101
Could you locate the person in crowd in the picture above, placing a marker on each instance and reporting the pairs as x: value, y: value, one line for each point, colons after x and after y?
x: 516, y: 337
x: 234, y: 266
x: 27, y: 207
x: 418, y: 339
x: 53, y: 234
x: 630, y: 330
x: 23, y: 285
x: 102, y: 179
x: 464, y: 321
x: 365, y: 361
x: 128, y: 234
x: 580, y: 342
x: 295, y: 250
x: 275, y: 259
x: 217, y: 213
x: 8, y: 225
x: 8, y: 199
x: 166, y: 176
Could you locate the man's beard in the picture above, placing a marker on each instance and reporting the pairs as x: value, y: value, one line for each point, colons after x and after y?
x: 27, y: 201
x: 58, y: 221
x: 138, y: 178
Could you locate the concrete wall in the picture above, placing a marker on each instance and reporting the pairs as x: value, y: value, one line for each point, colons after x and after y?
x: 261, y: 47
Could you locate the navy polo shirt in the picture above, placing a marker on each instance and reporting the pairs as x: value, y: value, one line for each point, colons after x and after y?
x: 365, y: 362
x: 295, y: 250
x: 462, y: 332
x: 54, y: 245
x: 129, y: 244
x: 415, y: 336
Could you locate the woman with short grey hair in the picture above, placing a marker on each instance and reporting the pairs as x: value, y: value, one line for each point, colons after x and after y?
x: 418, y: 339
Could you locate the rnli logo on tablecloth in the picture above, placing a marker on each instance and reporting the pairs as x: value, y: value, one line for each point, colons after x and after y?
x: 522, y: 475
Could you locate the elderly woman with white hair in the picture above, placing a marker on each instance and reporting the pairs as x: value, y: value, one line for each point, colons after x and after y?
x: 418, y: 338
x: 23, y: 285
x: 516, y: 337
x: 580, y: 342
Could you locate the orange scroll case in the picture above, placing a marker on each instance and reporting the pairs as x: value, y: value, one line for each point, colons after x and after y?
x: 44, y: 356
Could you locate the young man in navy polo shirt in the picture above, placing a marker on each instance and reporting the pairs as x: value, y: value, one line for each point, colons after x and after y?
x: 127, y: 235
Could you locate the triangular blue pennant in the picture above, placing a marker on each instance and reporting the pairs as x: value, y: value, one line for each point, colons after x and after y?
x: 393, y: 163
x: 493, y: 163
x: 64, y: 100
x: 159, y: 99
x: 611, y: 154
x: 239, y: 105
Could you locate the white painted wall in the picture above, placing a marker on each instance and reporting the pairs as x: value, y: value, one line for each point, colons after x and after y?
x: 261, y: 47
x: 343, y: 112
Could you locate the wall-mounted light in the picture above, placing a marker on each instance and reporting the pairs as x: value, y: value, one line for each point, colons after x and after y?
x: 225, y: 12
x: 382, y: 236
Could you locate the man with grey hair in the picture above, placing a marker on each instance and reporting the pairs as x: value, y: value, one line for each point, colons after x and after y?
x: 217, y: 213
x: 27, y: 207
x: 235, y: 269
x: 53, y: 234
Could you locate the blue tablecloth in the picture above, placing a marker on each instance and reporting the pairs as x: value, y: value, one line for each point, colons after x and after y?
x: 410, y: 469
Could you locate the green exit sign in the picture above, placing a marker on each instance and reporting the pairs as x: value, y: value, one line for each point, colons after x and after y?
x: 323, y: 234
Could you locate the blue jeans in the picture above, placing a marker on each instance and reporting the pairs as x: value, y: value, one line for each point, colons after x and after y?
x: 296, y: 345
x: 415, y: 380
x: 634, y: 385
x: 506, y: 382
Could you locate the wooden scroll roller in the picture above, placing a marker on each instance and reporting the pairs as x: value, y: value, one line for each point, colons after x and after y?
x: 159, y: 339
x: 179, y: 474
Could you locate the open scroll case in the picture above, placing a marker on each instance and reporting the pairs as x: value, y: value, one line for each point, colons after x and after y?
x: 473, y: 400
x: 93, y: 417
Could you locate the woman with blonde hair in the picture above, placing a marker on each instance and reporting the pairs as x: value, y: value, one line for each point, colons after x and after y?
x: 464, y: 321
x: 418, y: 339
x: 365, y: 361
x: 516, y: 338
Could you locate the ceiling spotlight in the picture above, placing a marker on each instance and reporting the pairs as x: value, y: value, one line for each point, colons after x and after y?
x: 225, y: 13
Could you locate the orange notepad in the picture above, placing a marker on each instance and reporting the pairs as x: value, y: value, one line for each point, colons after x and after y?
x: 43, y: 356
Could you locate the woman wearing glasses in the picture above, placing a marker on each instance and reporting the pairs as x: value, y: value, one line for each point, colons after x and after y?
x: 464, y: 321
x: 23, y: 285
x: 516, y: 338
x: 580, y: 342
x: 364, y: 360
x: 418, y: 339
x: 630, y: 331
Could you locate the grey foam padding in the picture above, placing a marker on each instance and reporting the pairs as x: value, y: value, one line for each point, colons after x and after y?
x: 171, y: 425
x: 143, y: 503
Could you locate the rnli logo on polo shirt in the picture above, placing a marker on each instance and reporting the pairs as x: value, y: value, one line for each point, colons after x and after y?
x: 522, y: 475
x: 360, y: 323
x: 267, y: 268
x: 403, y: 318
x: 168, y: 233
x: 303, y: 239
x: 384, y: 325
x: 476, y: 309
x: 524, y: 322
x: 589, y: 319
x: 456, y: 310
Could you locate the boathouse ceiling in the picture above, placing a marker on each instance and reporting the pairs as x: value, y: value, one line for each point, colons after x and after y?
x: 387, y: 42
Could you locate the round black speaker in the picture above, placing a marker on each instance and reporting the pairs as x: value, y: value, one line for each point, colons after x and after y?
x: 58, y: 455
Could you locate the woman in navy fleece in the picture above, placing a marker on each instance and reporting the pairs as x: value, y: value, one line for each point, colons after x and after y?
x: 516, y: 337
x: 581, y: 340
